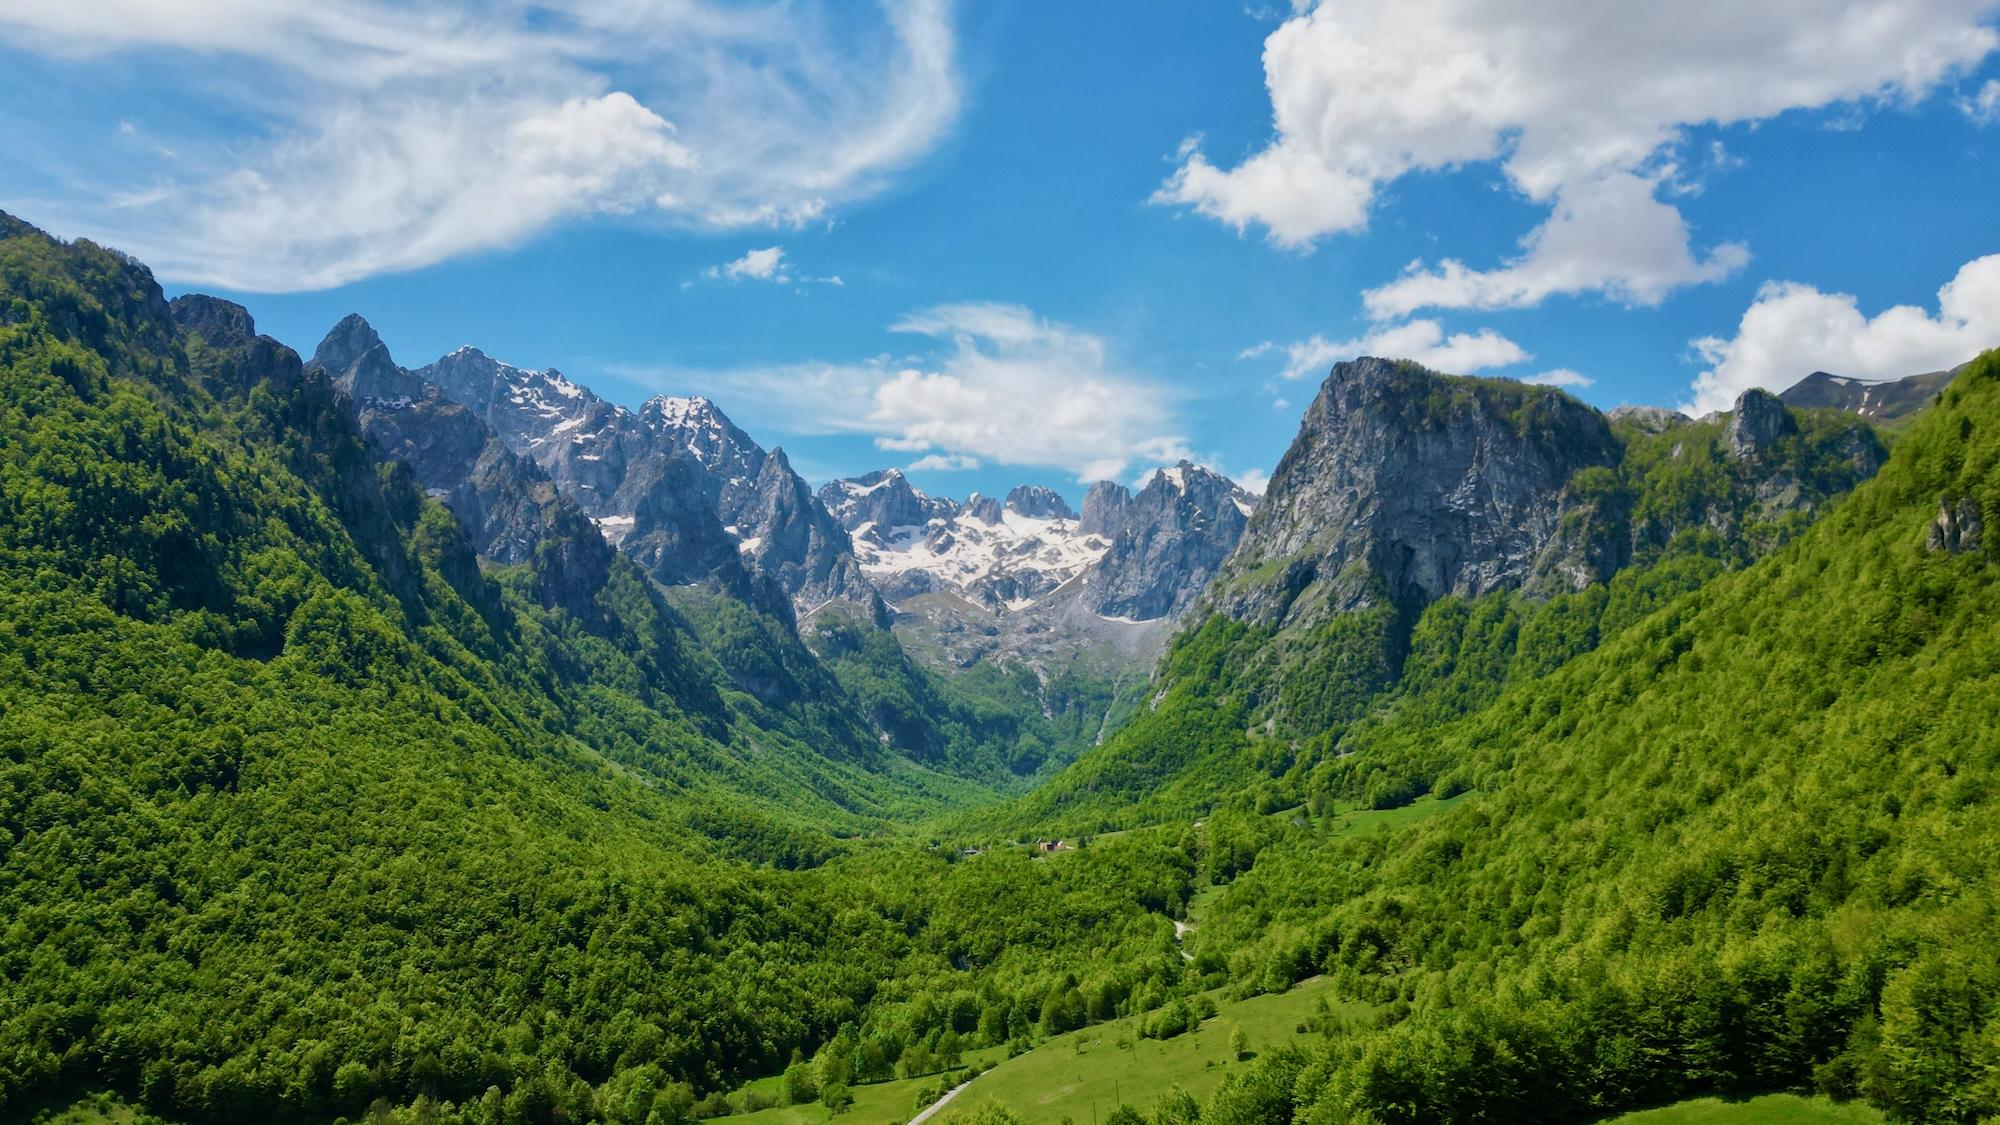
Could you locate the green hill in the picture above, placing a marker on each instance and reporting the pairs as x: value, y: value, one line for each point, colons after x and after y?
x: 306, y: 814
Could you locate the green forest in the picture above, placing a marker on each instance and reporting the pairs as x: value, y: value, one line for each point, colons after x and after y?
x: 308, y: 815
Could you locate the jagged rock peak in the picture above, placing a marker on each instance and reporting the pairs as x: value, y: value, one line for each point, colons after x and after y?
x: 884, y: 498
x: 1173, y: 537
x: 1408, y: 484
x: 704, y: 430
x: 1105, y: 508
x: 218, y: 321
x: 1757, y: 422
x: 1039, y: 502
x: 983, y: 508
x: 346, y: 342
x: 1649, y: 419
x: 353, y: 355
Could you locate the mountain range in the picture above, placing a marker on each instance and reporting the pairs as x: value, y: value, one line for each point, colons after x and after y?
x: 449, y: 744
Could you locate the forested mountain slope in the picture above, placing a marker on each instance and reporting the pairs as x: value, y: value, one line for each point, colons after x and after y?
x: 301, y: 808
x: 1750, y: 841
x: 1426, y: 538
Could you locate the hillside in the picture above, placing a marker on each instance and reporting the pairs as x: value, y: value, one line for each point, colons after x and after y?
x: 1427, y: 539
x: 1609, y: 762
x: 302, y: 809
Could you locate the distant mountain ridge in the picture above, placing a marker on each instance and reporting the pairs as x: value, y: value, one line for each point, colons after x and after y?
x: 675, y: 479
x: 1878, y: 400
x: 1142, y: 558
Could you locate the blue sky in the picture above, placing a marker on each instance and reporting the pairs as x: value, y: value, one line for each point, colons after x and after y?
x: 1049, y: 241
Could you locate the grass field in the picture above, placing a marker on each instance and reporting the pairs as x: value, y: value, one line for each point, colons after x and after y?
x: 1764, y: 1109
x: 1085, y: 1074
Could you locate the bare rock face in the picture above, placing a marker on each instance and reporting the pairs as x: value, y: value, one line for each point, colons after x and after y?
x: 1039, y: 502
x: 1404, y: 485
x: 1757, y: 422
x: 1105, y: 508
x: 1648, y: 419
x: 1959, y: 526
x: 880, y: 501
x: 985, y: 509
x: 671, y: 483
x: 1175, y: 534
x: 510, y: 510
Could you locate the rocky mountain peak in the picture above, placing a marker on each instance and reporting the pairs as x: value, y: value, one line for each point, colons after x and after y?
x: 1105, y: 507
x: 1410, y: 485
x: 1878, y: 400
x: 1174, y: 535
x: 1648, y: 419
x: 985, y: 509
x: 884, y: 499
x: 358, y: 362
x: 1757, y: 422
x: 1039, y: 502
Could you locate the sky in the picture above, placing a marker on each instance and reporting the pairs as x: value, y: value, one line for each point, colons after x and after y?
x: 995, y: 243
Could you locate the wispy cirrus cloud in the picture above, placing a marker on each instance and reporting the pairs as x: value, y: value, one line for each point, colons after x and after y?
x: 353, y: 137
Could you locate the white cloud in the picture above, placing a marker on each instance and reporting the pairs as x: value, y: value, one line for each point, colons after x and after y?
x: 1558, y: 377
x: 1024, y: 391
x: 1007, y: 387
x: 374, y: 138
x: 943, y: 462
x: 1424, y: 341
x: 1792, y: 330
x: 1610, y: 234
x: 1253, y: 481
x: 767, y: 264
x: 1984, y: 106
x: 1582, y: 103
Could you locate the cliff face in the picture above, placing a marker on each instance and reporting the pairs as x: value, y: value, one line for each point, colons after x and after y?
x: 510, y: 510
x: 1170, y: 540
x: 1405, y: 485
x: 675, y: 483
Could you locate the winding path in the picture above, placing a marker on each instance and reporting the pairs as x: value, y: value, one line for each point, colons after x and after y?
x: 939, y: 1104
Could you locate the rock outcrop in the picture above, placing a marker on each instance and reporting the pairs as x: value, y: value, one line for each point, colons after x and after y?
x: 1039, y: 502
x: 1174, y: 535
x: 1758, y: 421
x: 1405, y: 486
x: 1959, y: 526
x: 1105, y: 507
x: 673, y: 483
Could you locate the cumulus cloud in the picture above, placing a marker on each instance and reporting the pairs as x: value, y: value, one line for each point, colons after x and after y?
x: 1253, y: 481
x: 1583, y: 105
x: 767, y: 264
x: 360, y: 138
x: 1610, y: 235
x: 1424, y: 341
x: 1792, y: 330
x: 1005, y: 386
x: 1017, y: 389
